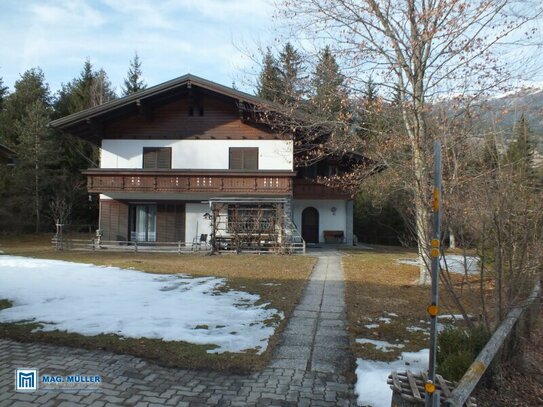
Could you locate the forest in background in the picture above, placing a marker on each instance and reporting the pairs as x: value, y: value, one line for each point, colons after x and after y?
x: 46, y: 185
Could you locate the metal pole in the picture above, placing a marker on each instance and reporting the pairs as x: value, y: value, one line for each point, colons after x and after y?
x: 433, y: 398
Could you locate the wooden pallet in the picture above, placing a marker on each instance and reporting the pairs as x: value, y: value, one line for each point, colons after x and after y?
x: 409, y: 388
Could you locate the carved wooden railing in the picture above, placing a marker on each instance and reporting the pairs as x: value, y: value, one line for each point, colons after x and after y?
x: 252, y: 183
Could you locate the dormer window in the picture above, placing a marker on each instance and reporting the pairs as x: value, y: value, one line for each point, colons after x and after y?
x: 243, y: 158
x: 157, y: 158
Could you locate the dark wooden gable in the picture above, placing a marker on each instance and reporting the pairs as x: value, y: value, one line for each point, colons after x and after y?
x: 205, y: 118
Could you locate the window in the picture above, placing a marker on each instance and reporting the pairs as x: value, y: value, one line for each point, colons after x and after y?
x: 243, y: 158
x: 157, y: 157
x: 143, y: 223
x: 251, y: 219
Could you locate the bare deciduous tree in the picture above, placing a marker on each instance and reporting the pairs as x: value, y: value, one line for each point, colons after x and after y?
x: 419, y: 49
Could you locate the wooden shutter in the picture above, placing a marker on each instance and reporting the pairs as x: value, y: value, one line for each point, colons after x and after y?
x: 157, y: 157
x: 149, y: 157
x: 236, y: 158
x: 250, y: 159
x: 164, y: 158
x: 242, y: 158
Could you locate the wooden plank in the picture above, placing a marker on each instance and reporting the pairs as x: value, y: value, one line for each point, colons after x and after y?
x: 470, y: 379
x: 413, y: 385
x: 442, y: 385
x: 220, y: 121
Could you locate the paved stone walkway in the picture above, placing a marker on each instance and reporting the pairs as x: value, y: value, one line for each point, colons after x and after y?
x: 305, y: 369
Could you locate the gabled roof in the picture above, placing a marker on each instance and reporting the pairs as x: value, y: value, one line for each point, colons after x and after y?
x: 6, y: 150
x: 185, y: 81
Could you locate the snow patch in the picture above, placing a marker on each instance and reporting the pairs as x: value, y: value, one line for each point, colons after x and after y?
x: 380, y: 345
x: 91, y: 300
x: 417, y: 329
x: 372, y: 326
x: 454, y: 262
x: 384, y: 319
x: 371, y: 385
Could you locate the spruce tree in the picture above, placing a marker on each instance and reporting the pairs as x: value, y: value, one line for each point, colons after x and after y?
x: 91, y: 88
x: 329, y: 92
x: 520, y: 151
x: 133, y: 82
x: 3, y: 92
x: 36, y: 153
x: 269, y: 82
x: 291, y: 89
x: 31, y: 87
x: 370, y: 94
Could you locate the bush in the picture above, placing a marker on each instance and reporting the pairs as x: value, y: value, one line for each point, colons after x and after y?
x: 457, y: 349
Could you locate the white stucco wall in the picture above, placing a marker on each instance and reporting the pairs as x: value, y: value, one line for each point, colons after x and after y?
x: 328, y: 220
x: 197, y: 154
x: 194, y: 219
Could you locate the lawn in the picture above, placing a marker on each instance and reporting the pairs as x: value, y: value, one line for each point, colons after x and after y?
x: 386, y: 315
x: 278, y: 280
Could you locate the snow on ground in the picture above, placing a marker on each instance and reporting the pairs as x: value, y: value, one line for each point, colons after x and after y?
x: 454, y: 262
x: 371, y: 385
x: 90, y: 300
x: 380, y: 345
x: 384, y: 319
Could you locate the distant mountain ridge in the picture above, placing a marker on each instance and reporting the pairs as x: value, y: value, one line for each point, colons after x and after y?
x: 508, y: 110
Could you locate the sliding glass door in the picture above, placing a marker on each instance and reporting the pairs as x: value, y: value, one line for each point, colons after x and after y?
x: 143, y: 228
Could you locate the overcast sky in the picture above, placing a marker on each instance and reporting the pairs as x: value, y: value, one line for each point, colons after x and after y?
x: 202, y: 37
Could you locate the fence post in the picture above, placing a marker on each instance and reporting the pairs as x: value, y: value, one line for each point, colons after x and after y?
x: 478, y: 367
x: 136, y: 246
x: 179, y: 247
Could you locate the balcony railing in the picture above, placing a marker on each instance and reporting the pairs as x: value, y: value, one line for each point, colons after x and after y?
x: 308, y: 189
x: 103, y: 180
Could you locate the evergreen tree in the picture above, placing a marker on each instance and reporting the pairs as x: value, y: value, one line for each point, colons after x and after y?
x: 31, y: 87
x: 36, y: 152
x: 91, y: 88
x: 397, y: 98
x: 291, y: 68
x: 3, y: 92
x: 370, y: 94
x: 269, y: 82
x: 329, y: 92
x: 133, y: 82
x: 520, y: 152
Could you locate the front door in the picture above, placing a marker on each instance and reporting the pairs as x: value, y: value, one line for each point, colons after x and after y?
x: 310, y: 225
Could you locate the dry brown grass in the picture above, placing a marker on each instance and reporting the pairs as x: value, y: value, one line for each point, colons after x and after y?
x: 278, y: 280
x: 376, y: 285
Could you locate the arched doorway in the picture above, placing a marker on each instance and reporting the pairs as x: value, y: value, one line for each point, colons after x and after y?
x: 310, y: 225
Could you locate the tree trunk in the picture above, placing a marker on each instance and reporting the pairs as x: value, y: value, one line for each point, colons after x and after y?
x: 452, y: 240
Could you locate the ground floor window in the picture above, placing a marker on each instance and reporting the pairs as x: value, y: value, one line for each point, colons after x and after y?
x: 251, y: 219
x: 143, y: 223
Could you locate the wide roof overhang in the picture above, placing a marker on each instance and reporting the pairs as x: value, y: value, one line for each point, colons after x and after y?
x: 86, y: 123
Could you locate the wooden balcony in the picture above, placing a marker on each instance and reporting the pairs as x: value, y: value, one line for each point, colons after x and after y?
x: 101, y: 180
x: 308, y: 189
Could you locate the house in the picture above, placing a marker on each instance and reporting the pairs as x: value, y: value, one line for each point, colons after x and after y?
x: 7, y: 156
x: 190, y: 157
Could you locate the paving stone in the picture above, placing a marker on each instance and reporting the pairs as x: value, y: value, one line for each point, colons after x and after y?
x: 285, y: 382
